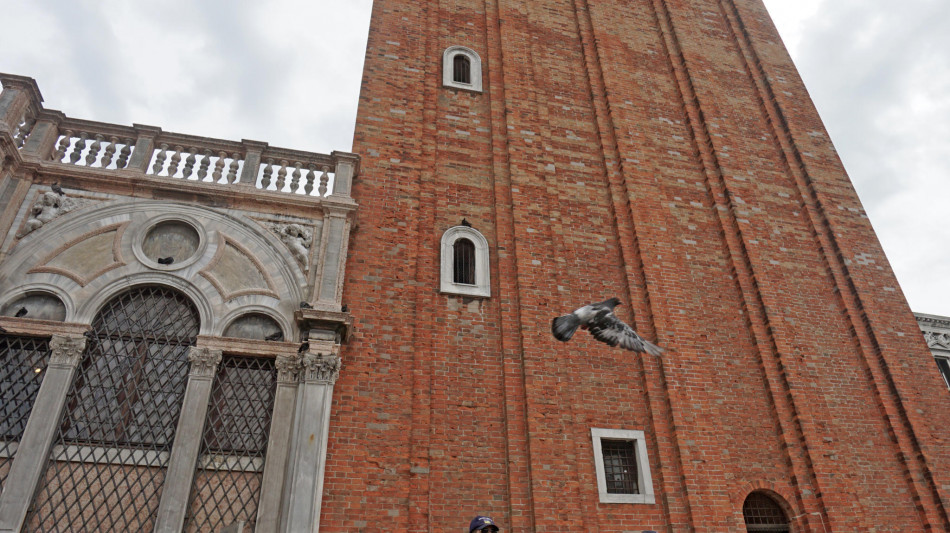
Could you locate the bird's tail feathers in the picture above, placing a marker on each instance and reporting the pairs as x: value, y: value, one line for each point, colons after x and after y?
x: 651, y: 348
x: 563, y: 327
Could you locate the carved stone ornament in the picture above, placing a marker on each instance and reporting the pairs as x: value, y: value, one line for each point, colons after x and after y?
x: 937, y: 340
x: 66, y: 350
x: 319, y: 368
x: 203, y: 361
x: 287, y: 368
x: 48, y: 207
x: 297, y: 237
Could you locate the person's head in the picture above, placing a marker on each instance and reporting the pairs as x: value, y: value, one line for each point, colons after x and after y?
x: 482, y: 523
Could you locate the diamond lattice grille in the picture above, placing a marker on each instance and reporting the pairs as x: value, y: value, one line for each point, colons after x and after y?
x: 761, y: 513
x: 108, y: 462
x: 230, y: 467
x: 23, y: 363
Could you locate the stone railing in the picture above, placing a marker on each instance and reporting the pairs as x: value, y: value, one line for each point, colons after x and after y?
x: 49, y: 136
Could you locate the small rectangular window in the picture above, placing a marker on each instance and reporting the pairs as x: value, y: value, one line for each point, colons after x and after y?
x: 623, y: 471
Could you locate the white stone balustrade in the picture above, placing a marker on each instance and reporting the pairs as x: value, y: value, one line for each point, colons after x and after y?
x: 51, y: 137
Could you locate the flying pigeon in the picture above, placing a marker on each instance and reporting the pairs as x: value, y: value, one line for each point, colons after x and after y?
x: 604, y: 325
x: 166, y: 260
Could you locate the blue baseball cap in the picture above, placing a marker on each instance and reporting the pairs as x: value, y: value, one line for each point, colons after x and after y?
x: 482, y: 523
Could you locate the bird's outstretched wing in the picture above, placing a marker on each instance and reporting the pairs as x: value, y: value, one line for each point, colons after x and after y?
x: 607, y: 328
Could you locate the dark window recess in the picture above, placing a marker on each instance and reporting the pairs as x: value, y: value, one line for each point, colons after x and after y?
x: 23, y: 363
x: 463, y: 268
x: 761, y: 513
x: 944, y: 366
x: 620, y: 466
x: 461, y: 69
x: 227, y: 484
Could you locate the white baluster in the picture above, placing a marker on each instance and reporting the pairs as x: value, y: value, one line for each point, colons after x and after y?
x: 189, y: 164
x: 160, y: 159
x: 109, y: 153
x: 282, y: 175
x: 233, y: 168
x: 205, y: 162
x: 93, y: 153
x: 324, y: 180
x: 218, y: 167
x: 79, y: 147
x: 175, y: 161
x: 311, y: 177
x: 63, y: 146
x: 124, y: 154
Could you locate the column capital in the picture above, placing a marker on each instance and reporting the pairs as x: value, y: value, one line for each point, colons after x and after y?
x: 320, y: 368
x: 204, y: 362
x: 288, y: 367
x: 66, y: 350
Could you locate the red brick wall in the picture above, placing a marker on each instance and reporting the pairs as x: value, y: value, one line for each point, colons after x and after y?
x: 664, y: 152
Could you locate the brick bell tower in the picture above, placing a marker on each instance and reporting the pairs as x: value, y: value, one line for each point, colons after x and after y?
x: 521, y: 158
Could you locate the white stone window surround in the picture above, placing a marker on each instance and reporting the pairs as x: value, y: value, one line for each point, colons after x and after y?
x: 475, y: 62
x: 644, y: 480
x: 482, y: 286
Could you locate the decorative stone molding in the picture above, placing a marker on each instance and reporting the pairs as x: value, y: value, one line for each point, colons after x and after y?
x: 319, y: 368
x: 940, y: 341
x: 297, y: 238
x: 66, y: 351
x: 288, y: 366
x: 204, y: 362
x: 46, y: 208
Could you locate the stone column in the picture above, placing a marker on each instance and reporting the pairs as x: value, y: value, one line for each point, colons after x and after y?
x: 184, y: 455
x: 278, y: 444
x: 303, y: 489
x: 33, y: 451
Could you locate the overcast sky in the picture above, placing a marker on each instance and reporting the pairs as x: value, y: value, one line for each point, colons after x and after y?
x: 288, y: 73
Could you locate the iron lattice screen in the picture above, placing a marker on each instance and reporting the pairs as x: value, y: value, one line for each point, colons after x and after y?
x: 22, y: 364
x: 620, y: 466
x: 761, y: 513
x: 108, y: 461
x: 230, y: 466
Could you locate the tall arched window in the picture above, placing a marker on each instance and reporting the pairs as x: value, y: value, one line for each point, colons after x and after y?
x: 465, y: 267
x: 461, y: 69
x: 110, y: 454
x: 762, y: 513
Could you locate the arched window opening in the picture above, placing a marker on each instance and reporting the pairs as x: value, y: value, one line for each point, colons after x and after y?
x: 461, y: 69
x: 762, y: 513
x: 115, y: 437
x: 23, y: 363
x: 464, y: 262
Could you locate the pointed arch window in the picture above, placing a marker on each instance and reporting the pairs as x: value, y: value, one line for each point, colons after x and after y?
x: 465, y: 266
x: 461, y: 69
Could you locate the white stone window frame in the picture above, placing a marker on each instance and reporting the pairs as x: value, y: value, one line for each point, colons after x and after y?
x: 644, y: 479
x: 475, y: 63
x: 482, y: 286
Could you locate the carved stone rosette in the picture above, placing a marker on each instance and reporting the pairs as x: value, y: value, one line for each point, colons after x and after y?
x: 319, y: 368
x: 204, y: 362
x: 66, y: 351
x: 288, y: 366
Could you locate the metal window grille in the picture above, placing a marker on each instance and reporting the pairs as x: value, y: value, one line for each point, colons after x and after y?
x: 227, y: 483
x: 23, y: 363
x: 463, y: 269
x: 107, y: 466
x: 620, y: 466
x: 944, y: 366
x: 461, y: 69
x: 761, y: 513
